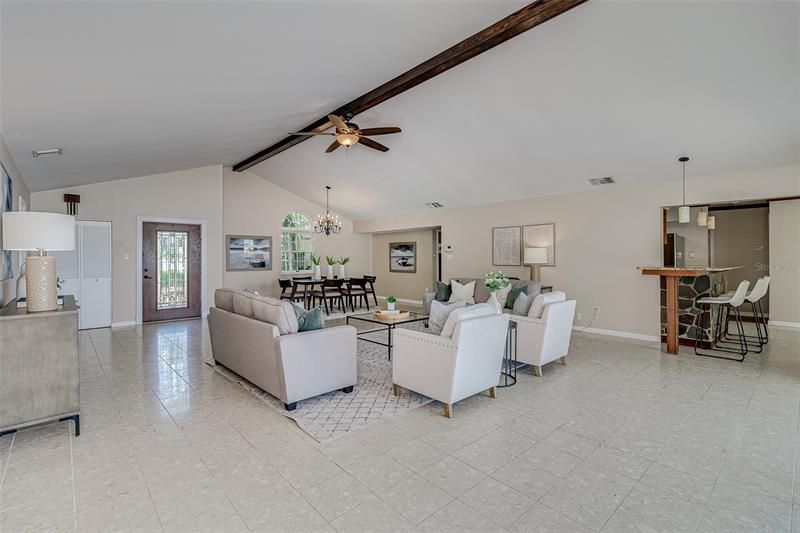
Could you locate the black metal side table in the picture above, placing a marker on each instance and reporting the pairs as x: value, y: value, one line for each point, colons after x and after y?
x: 508, y: 370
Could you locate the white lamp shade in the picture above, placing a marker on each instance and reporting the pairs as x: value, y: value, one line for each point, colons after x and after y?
x: 31, y: 230
x: 684, y: 214
x: 702, y: 218
x: 535, y: 256
x: 712, y: 222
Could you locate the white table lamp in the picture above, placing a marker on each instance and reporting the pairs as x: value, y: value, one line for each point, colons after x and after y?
x: 31, y: 231
x: 534, y: 257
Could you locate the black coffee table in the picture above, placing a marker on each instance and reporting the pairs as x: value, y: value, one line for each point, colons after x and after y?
x: 384, y: 325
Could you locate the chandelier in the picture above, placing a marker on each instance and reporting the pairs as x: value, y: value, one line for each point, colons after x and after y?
x: 327, y: 223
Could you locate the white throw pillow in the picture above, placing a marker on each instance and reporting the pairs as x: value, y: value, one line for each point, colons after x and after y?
x: 439, y: 313
x: 544, y: 299
x: 462, y: 292
x: 464, y: 313
x: 502, y: 295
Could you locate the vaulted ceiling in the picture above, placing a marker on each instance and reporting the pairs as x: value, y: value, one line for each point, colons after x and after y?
x: 609, y: 88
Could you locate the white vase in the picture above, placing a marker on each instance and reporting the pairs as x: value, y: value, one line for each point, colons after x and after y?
x: 341, y: 271
x: 330, y: 271
x: 494, y: 302
x: 390, y: 306
x: 317, y: 273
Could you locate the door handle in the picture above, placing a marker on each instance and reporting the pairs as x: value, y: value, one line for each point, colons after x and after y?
x: 147, y: 277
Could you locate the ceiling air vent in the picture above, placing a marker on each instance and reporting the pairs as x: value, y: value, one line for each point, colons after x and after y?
x: 601, y: 181
x: 53, y: 152
x: 434, y: 205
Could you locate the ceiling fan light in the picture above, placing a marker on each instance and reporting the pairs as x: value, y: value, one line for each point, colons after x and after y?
x: 347, y: 139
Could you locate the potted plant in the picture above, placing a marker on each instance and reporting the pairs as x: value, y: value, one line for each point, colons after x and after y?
x: 331, y: 261
x: 390, y: 301
x: 495, y: 281
x: 342, y: 262
x: 315, y: 265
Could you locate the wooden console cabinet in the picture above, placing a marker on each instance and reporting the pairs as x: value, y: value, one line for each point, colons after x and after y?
x: 39, y: 367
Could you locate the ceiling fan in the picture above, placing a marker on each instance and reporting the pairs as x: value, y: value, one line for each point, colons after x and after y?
x: 347, y: 134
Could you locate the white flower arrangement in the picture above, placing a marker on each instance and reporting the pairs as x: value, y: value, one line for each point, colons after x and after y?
x: 495, y: 281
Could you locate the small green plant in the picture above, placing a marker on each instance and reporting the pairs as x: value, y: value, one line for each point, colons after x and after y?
x: 495, y: 281
x: 315, y: 259
x: 330, y: 260
x: 391, y: 299
x: 343, y: 260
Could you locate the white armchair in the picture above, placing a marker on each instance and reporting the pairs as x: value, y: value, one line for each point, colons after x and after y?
x: 451, y: 369
x: 543, y: 340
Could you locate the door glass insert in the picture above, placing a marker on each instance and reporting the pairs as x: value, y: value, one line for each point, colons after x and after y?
x: 172, y: 258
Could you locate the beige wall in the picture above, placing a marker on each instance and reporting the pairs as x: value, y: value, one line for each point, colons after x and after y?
x: 784, y: 250
x: 403, y: 285
x: 188, y: 194
x: 254, y: 206
x: 8, y: 287
x: 741, y: 237
x: 601, y: 237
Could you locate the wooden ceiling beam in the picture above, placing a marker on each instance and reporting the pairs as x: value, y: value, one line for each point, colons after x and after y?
x: 501, y: 31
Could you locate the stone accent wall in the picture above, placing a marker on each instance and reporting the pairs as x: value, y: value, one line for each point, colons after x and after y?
x: 691, y: 289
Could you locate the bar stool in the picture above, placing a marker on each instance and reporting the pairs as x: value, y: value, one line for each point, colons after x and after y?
x: 726, y: 304
x: 754, y: 297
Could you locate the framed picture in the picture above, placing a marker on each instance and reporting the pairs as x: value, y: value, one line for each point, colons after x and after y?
x: 7, y: 199
x: 506, y: 248
x: 403, y: 257
x: 541, y: 236
x: 249, y: 252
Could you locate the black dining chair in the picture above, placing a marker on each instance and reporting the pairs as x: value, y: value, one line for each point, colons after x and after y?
x: 370, y: 288
x: 289, y: 291
x: 355, y: 290
x: 329, y: 294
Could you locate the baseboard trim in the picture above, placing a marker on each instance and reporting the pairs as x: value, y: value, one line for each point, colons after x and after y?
x: 789, y: 325
x: 617, y: 333
x: 123, y: 324
x: 403, y: 301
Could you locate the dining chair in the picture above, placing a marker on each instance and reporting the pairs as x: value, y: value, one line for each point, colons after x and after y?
x: 355, y: 289
x: 289, y: 291
x: 370, y: 288
x: 329, y: 293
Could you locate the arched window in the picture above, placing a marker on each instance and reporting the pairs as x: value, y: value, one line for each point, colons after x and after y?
x: 297, y: 242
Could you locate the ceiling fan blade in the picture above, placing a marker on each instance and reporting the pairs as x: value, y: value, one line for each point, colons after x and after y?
x: 334, y: 145
x: 380, y: 131
x: 338, y: 122
x: 373, y: 144
x: 311, y: 133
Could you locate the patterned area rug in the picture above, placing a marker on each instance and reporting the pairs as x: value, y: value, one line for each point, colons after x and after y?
x: 334, y: 414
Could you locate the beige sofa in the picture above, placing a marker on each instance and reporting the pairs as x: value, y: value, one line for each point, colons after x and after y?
x: 256, y: 337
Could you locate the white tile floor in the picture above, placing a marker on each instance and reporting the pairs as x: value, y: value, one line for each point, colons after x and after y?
x: 624, y: 438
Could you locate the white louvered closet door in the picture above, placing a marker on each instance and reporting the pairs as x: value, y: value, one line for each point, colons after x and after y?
x: 95, y: 274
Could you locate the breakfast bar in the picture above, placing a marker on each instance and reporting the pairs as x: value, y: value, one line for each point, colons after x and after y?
x: 695, y: 283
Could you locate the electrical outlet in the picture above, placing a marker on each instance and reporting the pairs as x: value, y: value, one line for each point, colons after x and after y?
x: 580, y: 316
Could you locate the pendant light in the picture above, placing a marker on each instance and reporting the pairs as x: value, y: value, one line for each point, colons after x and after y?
x: 684, y: 211
x: 712, y: 222
x: 327, y: 223
x: 702, y: 217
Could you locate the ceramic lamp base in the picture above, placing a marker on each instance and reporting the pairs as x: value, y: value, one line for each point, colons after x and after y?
x: 41, y: 289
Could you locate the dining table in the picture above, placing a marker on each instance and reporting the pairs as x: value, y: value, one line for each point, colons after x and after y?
x: 308, y: 286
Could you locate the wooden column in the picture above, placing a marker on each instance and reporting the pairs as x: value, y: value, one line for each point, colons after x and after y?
x: 672, y: 314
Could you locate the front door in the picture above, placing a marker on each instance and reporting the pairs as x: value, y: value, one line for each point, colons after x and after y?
x: 171, y: 275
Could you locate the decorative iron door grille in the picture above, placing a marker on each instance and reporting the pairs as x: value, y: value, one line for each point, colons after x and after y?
x: 173, y: 260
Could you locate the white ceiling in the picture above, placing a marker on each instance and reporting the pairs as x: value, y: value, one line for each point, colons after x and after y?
x: 611, y: 88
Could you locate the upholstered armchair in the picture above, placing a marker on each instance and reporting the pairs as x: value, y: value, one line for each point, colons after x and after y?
x: 544, y: 339
x: 454, y: 368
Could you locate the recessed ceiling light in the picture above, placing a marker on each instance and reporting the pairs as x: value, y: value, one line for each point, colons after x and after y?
x: 53, y: 152
x: 602, y: 181
x: 435, y: 205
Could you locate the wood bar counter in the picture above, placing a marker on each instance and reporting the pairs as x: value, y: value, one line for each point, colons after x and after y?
x: 671, y: 276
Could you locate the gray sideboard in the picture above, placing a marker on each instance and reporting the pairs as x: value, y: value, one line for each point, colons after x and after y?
x: 39, y: 367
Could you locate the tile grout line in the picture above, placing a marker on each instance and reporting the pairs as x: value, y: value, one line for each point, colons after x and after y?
x: 8, y: 460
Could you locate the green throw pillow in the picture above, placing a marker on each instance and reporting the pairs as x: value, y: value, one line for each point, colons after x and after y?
x: 513, y: 293
x: 443, y: 292
x: 309, y: 320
